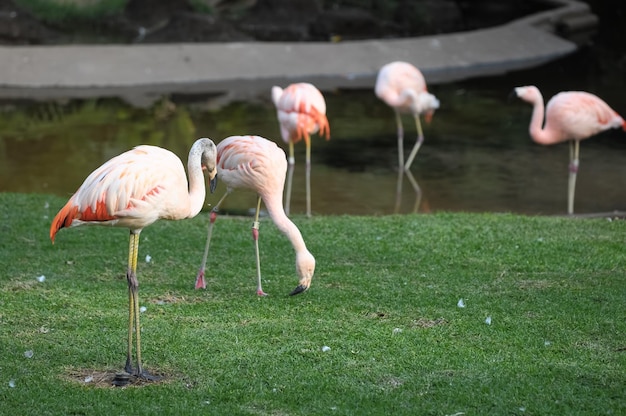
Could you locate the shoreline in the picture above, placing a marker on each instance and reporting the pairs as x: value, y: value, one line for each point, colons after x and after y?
x: 141, y: 74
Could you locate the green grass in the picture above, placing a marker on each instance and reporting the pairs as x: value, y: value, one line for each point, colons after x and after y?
x: 384, y: 299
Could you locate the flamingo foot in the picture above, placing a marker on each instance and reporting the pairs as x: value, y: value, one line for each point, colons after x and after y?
x: 144, y: 375
x: 123, y: 379
x: 298, y: 290
x: 200, y: 283
x: 260, y: 292
x: 128, y: 367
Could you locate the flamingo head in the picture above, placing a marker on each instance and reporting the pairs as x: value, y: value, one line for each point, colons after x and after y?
x: 208, y: 161
x: 305, y: 267
x: 277, y: 92
x: 528, y: 93
x: 426, y: 104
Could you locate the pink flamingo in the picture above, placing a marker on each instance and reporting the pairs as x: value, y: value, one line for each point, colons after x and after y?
x: 301, y: 112
x: 133, y: 190
x: 402, y: 87
x: 570, y: 116
x: 257, y: 164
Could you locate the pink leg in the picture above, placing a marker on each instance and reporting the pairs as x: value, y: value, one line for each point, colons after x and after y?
x: 255, y: 237
x: 200, y: 283
x: 400, y: 141
x: 308, y: 177
x: 573, y: 171
x: 418, y: 143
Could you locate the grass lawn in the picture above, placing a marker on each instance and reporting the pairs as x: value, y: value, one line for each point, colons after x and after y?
x: 542, y: 330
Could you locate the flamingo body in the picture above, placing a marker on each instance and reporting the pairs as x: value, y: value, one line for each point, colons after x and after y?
x: 402, y: 87
x: 399, y: 84
x: 301, y: 111
x: 257, y: 164
x: 253, y: 163
x: 133, y: 190
x: 569, y: 116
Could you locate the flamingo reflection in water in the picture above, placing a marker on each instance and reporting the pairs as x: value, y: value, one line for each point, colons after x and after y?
x: 399, y: 194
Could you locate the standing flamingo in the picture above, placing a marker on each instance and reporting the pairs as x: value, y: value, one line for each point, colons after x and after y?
x: 402, y: 87
x: 301, y: 112
x: 258, y: 164
x: 570, y: 116
x: 133, y: 190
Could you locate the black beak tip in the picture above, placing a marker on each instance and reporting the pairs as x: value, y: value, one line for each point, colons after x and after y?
x: 298, y: 290
x: 213, y: 184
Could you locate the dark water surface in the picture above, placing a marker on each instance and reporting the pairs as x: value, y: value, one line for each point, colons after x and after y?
x: 477, y: 155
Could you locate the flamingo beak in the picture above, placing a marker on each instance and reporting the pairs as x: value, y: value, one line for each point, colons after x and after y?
x: 298, y: 290
x: 213, y: 184
x: 428, y: 117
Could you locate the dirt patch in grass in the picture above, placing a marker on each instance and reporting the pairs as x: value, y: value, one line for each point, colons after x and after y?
x: 111, y: 378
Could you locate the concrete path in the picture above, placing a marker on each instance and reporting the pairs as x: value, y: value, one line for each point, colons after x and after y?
x: 142, y: 73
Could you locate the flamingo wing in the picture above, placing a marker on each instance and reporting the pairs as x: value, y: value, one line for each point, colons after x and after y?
x: 132, y: 190
x: 251, y: 162
x: 580, y: 115
x: 398, y: 83
x: 301, y: 111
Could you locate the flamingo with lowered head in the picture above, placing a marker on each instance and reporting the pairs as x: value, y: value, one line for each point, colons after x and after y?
x: 258, y: 164
x: 569, y: 116
x: 133, y: 190
x: 402, y: 87
x: 301, y: 111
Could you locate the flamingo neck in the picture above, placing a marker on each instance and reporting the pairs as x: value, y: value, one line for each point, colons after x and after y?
x: 197, y: 189
x: 408, y: 98
x: 274, y: 206
x: 537, y: 132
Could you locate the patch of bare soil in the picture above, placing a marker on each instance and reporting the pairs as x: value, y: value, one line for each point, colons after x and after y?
x: 111, y: 378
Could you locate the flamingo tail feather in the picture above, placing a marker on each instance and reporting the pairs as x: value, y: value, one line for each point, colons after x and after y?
x: 63, y: 219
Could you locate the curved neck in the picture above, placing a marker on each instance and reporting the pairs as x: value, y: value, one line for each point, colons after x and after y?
x: 274, y: 206
x: 408, y: 97
x: 536, y: 129
x: 197, y: 189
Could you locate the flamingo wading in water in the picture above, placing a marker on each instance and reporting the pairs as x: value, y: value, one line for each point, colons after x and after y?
x: 569, y: 116
x: 301, y: 111
x: 133, y: 190
x: 402, y: 87
x: 258, y: 164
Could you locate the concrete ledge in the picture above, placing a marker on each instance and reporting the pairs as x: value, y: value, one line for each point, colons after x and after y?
x: 141, y: 74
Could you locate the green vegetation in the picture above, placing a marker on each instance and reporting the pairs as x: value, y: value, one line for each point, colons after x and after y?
x: 384, y: 300
x: 63, y: 11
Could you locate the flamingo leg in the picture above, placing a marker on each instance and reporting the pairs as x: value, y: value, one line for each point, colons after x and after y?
x: 574, y: 151
x: 131, y: 307
x: 133, y: 318
x: 400, y: 141
x: 418, y: 143
x: 417, y: 189
x: 255, y: 237
x: 307, y: 141
x: 292, y: 162
x: 200, y: 283
x: 396, y: 208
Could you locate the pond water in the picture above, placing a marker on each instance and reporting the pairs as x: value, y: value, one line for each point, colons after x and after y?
x: 477, y: 155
